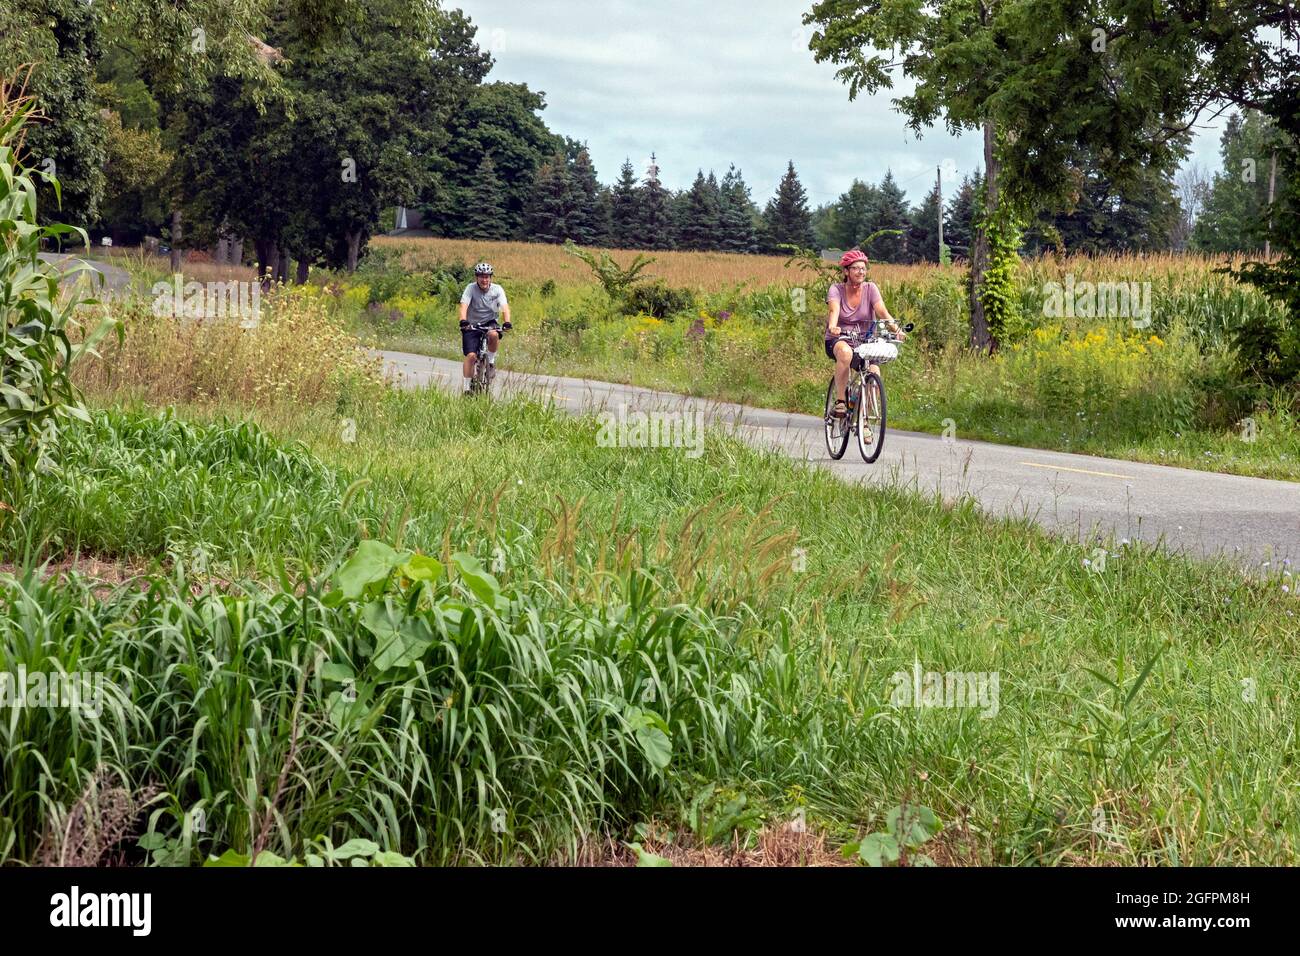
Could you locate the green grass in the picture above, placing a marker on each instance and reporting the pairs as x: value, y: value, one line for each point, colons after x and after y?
x: 618, y: 565
x: 1181, y: 405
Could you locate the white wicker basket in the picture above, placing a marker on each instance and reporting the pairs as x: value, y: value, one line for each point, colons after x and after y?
x: 877, y: 352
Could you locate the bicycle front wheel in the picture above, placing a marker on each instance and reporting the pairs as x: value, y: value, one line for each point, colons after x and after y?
x: 837, y: 429
x: 871, y: 418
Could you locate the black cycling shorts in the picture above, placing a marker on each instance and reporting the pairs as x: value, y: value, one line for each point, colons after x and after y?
x: 472, y: 339
x: 855, y: 362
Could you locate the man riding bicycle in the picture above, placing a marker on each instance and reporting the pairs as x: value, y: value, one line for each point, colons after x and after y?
x: 852, y: 307
x: 482, y: 300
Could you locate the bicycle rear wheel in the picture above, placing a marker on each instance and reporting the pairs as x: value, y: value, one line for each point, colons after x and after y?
x: 871, y: 418
x: 837, y: 429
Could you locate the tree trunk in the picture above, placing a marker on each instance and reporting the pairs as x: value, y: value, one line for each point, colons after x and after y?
x: 221, y: 255
x: 237, y: 251
x: 354, y: 249
x: 282, y: 266
x: 980, y: 336
x: 268, y: 255
x: 176, y: 239
x: 303, y: 266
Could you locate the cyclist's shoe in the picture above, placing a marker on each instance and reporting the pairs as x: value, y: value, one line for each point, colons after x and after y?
x: 840, y: 409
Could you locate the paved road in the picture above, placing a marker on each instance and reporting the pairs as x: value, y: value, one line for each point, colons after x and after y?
x: 1247, y: 520
x: 116, y: 279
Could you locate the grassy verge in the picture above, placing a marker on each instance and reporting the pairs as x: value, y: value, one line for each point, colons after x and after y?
x: 741, y: 616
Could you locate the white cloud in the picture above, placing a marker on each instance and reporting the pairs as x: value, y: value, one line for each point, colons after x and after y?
x: 705, y: 86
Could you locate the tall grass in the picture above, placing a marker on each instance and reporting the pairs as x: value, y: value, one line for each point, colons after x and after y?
x: 528, y: 715
x: 295, y: 350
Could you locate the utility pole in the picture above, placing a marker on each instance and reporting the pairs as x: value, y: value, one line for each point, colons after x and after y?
x: 938, y: 188
x: 1272, y: 182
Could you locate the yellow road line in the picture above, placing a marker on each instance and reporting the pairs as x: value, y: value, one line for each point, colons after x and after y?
x: 1082, y: 471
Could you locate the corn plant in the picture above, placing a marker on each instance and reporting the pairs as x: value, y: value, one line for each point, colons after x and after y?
x: 36, y: 355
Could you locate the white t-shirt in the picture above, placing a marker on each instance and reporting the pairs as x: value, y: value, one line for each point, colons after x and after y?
x: 484, y: 307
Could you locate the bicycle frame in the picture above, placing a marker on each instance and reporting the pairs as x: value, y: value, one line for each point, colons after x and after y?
x: 484, y: 371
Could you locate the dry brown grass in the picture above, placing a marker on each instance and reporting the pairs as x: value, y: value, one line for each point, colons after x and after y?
x: 714, y: 271
x: 93, y: 829
x: 537, y: 262
x: 196, y: 266
x: 298, y: 353
x: 775, y: 846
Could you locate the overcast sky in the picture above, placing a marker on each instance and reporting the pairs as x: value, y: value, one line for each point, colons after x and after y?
x: 709, y: 85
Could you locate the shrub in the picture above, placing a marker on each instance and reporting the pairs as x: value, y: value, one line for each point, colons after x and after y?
x: 658, y: 299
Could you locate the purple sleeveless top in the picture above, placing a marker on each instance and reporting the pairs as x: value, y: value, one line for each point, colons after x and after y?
x: 860, y: 320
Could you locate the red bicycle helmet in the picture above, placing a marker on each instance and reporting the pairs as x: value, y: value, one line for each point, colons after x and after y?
x: 852, y: 256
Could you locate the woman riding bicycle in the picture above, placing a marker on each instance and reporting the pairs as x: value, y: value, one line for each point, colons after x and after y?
x: 852, y: 307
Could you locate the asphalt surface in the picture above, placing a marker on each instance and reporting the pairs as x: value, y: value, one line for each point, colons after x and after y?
x: 116, y: 279
x: 1202, y: 514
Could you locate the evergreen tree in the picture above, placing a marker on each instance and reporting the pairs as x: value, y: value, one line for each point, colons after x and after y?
x: 497, y: 118
x: 701, y: 215
x: 654, y: 215
x: 923, y: 235
x: 679, y: 214
x: 487, y: 213
x: 959, y: 218
x: 624, y: 210
x: 738, y: 232
x: 890, y: 212
x: 786, y: 217
x: 551, y: 209
x: 855, y: 213
x: 604, y: 217
x: 585, y: 226
x: 1137, y: 216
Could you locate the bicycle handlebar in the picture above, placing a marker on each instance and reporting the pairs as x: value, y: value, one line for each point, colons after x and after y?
x: 879, y: 334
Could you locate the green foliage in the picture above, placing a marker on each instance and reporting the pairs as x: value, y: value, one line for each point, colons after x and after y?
x: 486, y: 216
x: 654, y: 228
x: 624, y: 208
x: 907, y: 828
x: 36, y: 355
x: 125, y: 481
x: 738, y: 215
x: 999, y: 290
x: 617, y: 281
x: 607, y: 666
x: 1235, y: 213
x: 716, y: 814
x: 1269, y: 346
x: 659, y: 299
x: 699, y: 224
x: 60, y: 40
x: 137, y: 166
x: 498, y: 120
x: 1138, y: 214
x: 786, y: 220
